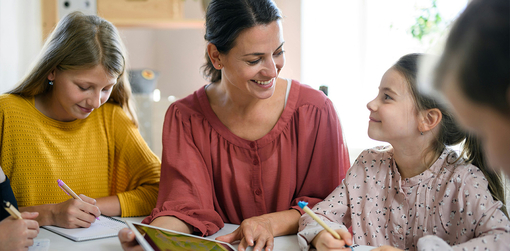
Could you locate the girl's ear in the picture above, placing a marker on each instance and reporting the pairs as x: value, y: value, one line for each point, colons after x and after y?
x: 214, y: 55
x: 430, y: 119
x: 52, y: 74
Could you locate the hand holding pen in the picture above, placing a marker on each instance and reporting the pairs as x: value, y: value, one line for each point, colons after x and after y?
x: 18, y: 231
x: 340, y: 239
x: 81, y: 211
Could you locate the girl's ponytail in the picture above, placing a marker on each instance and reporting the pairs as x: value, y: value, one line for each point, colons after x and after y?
x: 473, y: 152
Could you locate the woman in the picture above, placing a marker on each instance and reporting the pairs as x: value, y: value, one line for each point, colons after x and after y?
x: 71, y: 118
x: 250, y: 145
x: 473, y: 74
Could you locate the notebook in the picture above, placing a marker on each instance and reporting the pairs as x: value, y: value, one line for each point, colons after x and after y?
x: 102, y: 228
x: 40, y: 245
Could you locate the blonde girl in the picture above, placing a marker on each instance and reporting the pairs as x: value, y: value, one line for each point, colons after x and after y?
x: 72, y: 118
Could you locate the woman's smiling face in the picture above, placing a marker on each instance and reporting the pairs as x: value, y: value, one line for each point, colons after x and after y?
x: 253, y: 64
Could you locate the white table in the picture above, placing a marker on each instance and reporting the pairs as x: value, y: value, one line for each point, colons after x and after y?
x: 58, y: 243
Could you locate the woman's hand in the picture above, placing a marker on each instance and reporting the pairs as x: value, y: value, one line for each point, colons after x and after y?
x: 128, y: 241
x: 260, y: 231
x: 75, y: 213
x: 256, y: 231
x: 386, y: 248
x: 326, y: 241
x: 18, y: 234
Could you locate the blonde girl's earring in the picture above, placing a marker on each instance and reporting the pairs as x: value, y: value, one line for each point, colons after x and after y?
x: 219, y: 66
x: 50, y: 82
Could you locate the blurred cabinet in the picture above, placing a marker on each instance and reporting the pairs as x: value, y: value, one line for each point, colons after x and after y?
x: 167, y: 14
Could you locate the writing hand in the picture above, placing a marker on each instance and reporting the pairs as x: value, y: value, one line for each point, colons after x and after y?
x: 75, y: 213
x: 255, y: 231
x: 326, y: 241
x: 18, y: 234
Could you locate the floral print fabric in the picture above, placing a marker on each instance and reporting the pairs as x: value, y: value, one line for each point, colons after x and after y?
x: 450, y: 200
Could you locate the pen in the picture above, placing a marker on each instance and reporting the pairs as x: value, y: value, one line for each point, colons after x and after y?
x: 307, y: 210
x: 12, y: 210
x: 69, y: 191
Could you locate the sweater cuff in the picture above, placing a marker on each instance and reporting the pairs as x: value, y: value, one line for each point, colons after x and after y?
x: 306, y: 235
x: 137, y: 203
x: 433, y: 243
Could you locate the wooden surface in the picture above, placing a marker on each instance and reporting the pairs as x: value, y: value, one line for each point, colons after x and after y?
x: 139, y: 10
x: 162, y: 14
x: 49, y: 16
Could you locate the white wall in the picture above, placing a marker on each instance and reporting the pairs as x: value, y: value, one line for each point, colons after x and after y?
x: 348, y: 45
x: 20, y: 39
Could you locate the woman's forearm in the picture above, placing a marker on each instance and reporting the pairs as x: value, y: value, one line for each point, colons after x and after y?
x: 284, y: 222
x: 46, y: 215
x: 172, y: 223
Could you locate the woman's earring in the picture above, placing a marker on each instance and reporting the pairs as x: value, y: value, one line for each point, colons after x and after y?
x: 421, y: 133
x: 51, y: 82
x: 219, y: 66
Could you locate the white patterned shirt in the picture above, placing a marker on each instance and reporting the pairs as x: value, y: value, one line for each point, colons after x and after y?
x: 450, y: 200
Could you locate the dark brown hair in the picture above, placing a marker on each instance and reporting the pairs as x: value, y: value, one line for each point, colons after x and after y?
x: 477, y: 54
x: 226, y: 19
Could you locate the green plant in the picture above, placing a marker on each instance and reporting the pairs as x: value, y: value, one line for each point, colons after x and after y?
x: 429, y: 21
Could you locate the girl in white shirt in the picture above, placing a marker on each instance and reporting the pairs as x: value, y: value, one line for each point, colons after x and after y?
x: 416, y: 194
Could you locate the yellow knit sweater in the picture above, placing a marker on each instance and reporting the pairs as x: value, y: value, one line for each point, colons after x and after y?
x: 99, y: 156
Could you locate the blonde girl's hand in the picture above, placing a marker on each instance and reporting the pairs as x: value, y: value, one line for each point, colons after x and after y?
x: 75, y: 213
x: 326, y: 241
x: 386, y: 248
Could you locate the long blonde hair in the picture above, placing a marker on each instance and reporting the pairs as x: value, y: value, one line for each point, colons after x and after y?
x: 81, y: 42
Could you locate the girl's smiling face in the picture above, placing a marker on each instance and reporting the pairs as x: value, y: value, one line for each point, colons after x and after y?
x: 393, y: 114
x: 76, y: 93
x: 253, y: 64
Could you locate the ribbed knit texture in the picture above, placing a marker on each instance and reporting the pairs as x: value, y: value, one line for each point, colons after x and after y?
x: 99, y: 156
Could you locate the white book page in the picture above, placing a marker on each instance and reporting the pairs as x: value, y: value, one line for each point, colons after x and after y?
x: 104, y: 227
